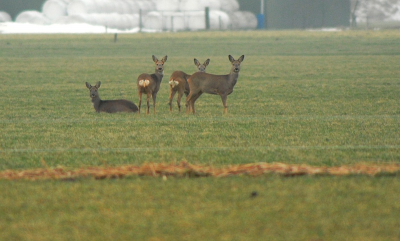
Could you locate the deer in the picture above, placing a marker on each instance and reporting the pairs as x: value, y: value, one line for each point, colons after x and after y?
x: 150, y: 83
x: 221, y: 85
x: 109, y: 106
x: 178, y: 83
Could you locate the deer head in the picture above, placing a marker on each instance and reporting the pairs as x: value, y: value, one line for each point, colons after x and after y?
x: 201, y: 67
x: 93, y: 89
x: 236, y: 63
x: 160, y: 64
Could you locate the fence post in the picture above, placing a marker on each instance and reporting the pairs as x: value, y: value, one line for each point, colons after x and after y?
x: 140, y: 20
x: 261, y: 17
x: 207, y: 12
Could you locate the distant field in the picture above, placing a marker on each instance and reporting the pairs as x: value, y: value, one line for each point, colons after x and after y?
x: 302, y: 97
x: 314, y: 98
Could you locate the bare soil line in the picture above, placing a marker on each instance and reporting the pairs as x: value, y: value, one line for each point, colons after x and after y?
x: 185, y: 169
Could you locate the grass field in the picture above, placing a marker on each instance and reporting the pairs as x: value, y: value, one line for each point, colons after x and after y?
x: 315, y: 98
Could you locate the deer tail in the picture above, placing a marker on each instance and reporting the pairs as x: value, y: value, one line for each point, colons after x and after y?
x: 144, y: 82
x: 173, y: 83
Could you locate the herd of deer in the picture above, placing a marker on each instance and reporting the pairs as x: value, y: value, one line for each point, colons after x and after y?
x: 192, y: 85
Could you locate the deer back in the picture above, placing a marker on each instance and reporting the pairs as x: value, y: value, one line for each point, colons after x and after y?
x: 209, y: 83
x: 109, y: 106
x: 112, y: 106
x: 178, y: 81
x: 216, y: 84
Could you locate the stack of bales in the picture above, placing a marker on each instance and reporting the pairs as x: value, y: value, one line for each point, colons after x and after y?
x: 170, y: 15
x: 176, y: 15
x: 117, y: 14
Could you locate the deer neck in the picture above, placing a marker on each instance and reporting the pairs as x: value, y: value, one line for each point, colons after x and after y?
x: 159, y: 76
x: 96, y: 103
x: 233, y: 77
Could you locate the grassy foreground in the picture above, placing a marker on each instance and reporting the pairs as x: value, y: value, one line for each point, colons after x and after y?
x: 315, y: 98
x: 305, y: 208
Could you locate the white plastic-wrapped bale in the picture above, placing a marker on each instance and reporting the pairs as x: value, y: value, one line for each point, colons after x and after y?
x: 124, y: 8
x: 211, y: 4
x: 243, y: 20
x: 54, y: 9
x: 132, y: 6
x: 33, y: 17
x: 80, y: 7
x: 111, y: 20
x: 104, y: 6
x: 71, y: 19
x: 173, y: 21
x: 128, y: 21
x: 167, y: 5
x: 229, y: 5
x: 5, y: 17
x: 135, y: 6
x: 196, y: 5
x: 153, y: 20
x: 142, y: 5
x: 195, y: 20
x: 219, y: 20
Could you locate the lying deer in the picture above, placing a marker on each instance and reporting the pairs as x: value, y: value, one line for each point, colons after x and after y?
x: 150, y: 83
x: 109, y: 106
x: 178, y: 83
x: 221, y: 85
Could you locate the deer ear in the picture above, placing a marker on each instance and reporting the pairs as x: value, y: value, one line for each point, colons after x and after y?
x: 88, y: 85
x: 155, y: 58
x: 206, y: 62
x: 241, y: 58
x: 98, y: 84
x: 164, y: 59
x: 196, y: 62
x: 231, y: 58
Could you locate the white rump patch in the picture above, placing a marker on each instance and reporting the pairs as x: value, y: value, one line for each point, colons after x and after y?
x: 144, y: 82
x: 173, y: 83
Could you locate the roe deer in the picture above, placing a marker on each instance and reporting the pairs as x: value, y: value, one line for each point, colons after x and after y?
x: 150, y: 83
x: 109, y: 106
x: 178, y: 83
x: 221, y: 85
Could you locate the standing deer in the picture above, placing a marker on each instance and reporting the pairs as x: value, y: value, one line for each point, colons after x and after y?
x: 109, y: 106
x: 221, y: 85
x: 150, y: 83
x: 178, y: 83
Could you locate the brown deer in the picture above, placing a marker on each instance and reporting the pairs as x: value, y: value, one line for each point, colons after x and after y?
x: 178, y: 83
x: 150, y: 83
x: 109, y: 106
x: 221, y: 85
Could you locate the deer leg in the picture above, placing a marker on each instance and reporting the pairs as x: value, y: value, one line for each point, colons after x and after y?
x: 178, y: 101
x: 154, y: 102
x: 223, y: 98
x: 194, y: 98
x: 171, y: 97
x: 148, y: 103
x: 188, y: 104
x: 140, y: 100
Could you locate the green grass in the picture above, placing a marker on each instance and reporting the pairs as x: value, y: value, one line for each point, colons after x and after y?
x: 305, y: 208
x: 316, y: 98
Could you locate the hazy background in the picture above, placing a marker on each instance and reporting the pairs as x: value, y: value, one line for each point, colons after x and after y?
x: 279, y: 14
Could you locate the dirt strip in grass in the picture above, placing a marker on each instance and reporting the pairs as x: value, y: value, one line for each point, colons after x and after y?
x: 185, y: 169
